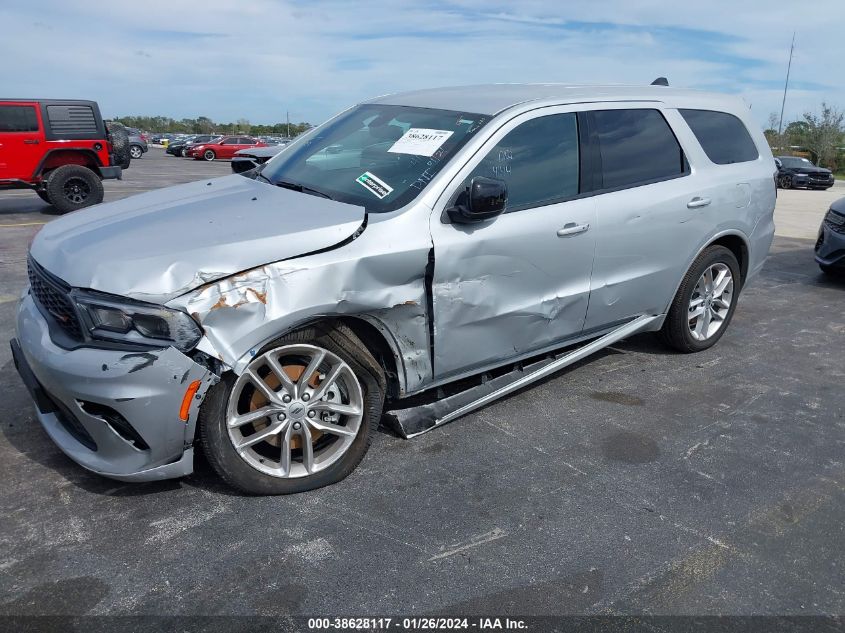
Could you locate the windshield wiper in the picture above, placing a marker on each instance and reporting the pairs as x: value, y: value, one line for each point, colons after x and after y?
x: 258, y: 175
x: 295, y: 186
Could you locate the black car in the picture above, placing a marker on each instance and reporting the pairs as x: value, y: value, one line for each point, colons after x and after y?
x: 247, y: 159
x: 830, y: 247
x: 177, y: 148
x: 794, y: 171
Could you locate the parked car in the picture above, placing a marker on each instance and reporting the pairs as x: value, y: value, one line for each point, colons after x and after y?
x: 830, y: 245
x: 161, y: 139
x: 177, y: 148
x: 246, y: 159
x: 794, y: 171
x: 61, y: 149
x: 137, y: 143
x: 485, y: 238
x: 224, y: 147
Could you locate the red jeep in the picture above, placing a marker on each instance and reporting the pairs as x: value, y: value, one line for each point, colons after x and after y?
x: 61, y: 149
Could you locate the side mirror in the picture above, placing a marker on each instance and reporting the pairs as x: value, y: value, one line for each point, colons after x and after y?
x: 485, y: 198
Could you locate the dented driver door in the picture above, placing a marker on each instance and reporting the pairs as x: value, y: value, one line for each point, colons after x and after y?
x: 520, y: 282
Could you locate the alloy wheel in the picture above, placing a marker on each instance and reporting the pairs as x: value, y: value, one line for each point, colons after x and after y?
x: 710, y: 302
x: 294, y: 411
x: 76, y: 190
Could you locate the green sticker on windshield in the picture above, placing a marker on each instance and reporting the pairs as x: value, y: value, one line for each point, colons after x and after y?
x: 378, y: 188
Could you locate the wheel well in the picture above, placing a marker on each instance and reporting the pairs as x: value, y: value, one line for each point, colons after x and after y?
x: 378, y: 346
x: 57, y: 158
x: 738, y: 247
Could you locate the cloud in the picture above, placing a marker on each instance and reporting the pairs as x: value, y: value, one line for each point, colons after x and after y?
x: 260, y: 58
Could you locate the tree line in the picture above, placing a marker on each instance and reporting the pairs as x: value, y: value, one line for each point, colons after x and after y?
x: 204, y: 125
x: 819, y: 134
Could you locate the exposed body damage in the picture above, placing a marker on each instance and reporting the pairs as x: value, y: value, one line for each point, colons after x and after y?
x: 370, y: 278
x: 195, y: 234
x: 87, y: 387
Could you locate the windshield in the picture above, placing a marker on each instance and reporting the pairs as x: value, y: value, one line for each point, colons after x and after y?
x: 789, y: 161
x: 376, y: 156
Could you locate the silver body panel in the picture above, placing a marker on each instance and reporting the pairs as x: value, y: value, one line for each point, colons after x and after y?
x: 163, y: 243
x: 250, y: 261
x: 146, y: 389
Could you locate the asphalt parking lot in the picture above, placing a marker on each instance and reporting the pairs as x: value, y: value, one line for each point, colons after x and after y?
x: 638, y: 481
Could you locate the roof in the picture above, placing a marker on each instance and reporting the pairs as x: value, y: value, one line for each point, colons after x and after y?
x: 53, y: 101
x: 491, y: 99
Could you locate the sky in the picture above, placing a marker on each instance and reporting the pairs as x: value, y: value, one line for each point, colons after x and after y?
x: 258, y: 59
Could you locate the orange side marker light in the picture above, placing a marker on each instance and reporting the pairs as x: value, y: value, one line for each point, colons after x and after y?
x: 186, y: 401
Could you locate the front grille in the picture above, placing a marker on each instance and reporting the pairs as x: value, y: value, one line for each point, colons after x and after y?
x: 51, y: 295
x: 820, y: 177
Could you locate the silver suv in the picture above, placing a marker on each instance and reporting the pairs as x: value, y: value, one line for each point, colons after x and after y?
x: 488, y: 235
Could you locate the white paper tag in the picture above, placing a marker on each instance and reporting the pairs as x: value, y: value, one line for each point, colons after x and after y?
x: 420, y: 141
x: 377, y: 187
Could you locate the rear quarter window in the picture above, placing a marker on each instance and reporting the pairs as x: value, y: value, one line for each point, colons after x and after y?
x: 72, y: 121
x: 18, y: 118
x: 723, y: 137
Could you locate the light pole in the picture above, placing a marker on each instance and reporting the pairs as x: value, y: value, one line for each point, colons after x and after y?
x: 786, y: 85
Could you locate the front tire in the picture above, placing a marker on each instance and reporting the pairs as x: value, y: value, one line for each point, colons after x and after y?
x: 72, y: 187
x: 301, y: 416
x: 705, y: 302
x: 42, y: 193
x: 830, y: 271
x: 209, y: 155
x: 785, y: 182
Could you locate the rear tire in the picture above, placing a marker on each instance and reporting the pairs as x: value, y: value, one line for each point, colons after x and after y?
x: 338, y: 442
x: 209, y: 155
x: 698, y: 318
x: 72, y: 187
x: 136, y: 152
x: 120, y: 144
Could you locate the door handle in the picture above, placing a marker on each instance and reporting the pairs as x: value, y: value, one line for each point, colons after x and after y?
x: 570, y: 228
x: 30, y: 141
x: 697, y: 203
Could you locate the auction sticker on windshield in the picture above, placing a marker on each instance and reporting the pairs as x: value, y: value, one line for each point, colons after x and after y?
x: 420, y: 141
x: 379, y: 188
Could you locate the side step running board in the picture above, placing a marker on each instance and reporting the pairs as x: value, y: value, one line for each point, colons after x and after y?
x: 417, y: 420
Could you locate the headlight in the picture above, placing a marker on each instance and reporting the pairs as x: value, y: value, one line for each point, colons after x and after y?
x: 126, y: 321
x: 199, y: 147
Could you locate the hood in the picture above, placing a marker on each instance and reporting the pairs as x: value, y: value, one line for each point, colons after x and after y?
x: 809, y: 169
x: 261, y: 152
x: 158, y: 245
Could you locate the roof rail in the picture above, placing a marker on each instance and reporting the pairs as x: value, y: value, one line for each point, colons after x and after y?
x: 660, y: 81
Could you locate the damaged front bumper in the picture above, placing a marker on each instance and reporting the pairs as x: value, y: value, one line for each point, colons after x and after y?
x: 114, y: 413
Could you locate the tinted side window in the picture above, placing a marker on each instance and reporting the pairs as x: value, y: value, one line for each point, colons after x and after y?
x: 637, y: 147
x: 72, y: 120
x: 723, y: 137
x: 15, y: 118
x: 538, y: 160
